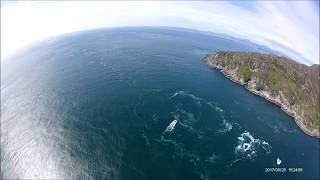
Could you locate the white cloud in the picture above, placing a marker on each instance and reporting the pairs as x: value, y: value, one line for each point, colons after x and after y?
x: 291, y: 27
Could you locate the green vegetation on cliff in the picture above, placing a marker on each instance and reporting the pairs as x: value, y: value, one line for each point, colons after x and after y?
x: 292, y: 85
x: 245, y: 72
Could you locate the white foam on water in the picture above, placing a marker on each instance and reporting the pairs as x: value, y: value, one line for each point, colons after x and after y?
x: 227, y: 126
x: 186, y: 120
x: 248, y: 146
x: 200, y: 102
x: 176, y: 116
x: 237, y: 125
x: 154, y: 118
x: 146, y: 139
x: 234, y: 162
x: 195, y: 98
x: 218, y: 109
x: 177, y: 93
x: 213, y: 158
x: 266, y: 147
x: 212, y: 104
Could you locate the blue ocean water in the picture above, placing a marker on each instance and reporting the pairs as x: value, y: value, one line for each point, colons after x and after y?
x: 138, y: 103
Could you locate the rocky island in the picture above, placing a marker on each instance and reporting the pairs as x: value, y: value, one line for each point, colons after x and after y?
x: 292, y: 86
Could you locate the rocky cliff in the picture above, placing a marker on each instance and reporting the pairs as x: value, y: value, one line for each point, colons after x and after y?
x: 292, y: 86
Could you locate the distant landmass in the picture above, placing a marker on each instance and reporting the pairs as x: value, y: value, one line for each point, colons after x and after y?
x: 292, y: 86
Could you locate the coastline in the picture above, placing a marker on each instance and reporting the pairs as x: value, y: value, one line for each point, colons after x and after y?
x: 264, y: 95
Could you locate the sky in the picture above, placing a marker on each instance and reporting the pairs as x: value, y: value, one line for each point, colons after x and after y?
x: 290, y: 27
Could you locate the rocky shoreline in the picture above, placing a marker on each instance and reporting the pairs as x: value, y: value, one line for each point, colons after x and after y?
x: 231, y: 74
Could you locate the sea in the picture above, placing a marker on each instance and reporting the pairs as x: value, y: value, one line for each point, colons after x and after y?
x: 139, y: 103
